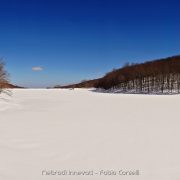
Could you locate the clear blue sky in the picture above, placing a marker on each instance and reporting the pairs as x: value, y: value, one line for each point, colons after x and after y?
x: 66, y: 41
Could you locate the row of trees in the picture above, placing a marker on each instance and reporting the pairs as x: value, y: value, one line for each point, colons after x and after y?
x: 159, y: 76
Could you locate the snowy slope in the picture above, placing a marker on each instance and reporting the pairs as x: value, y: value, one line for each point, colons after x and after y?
x: 82, y: 130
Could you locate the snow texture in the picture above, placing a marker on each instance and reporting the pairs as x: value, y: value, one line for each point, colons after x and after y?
x: 82, y: 130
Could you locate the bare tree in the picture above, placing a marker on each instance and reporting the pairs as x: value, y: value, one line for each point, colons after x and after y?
x: 3, y: 77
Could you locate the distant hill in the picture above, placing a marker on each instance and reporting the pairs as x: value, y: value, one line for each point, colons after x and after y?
x: 84, y: 84
x: 158, y: 76
x: 8, y: 85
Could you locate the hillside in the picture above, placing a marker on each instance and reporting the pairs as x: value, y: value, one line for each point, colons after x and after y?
x: 8, y: 85
x: 158, y: 76
x: 84, y: 84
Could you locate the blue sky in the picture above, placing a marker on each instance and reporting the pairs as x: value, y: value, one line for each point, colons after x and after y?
x: 50, y: 42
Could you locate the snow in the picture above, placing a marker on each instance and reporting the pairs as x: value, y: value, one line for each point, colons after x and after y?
x: 81, y: 130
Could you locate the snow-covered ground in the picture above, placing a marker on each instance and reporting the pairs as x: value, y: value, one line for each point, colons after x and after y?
x: 80, y: 130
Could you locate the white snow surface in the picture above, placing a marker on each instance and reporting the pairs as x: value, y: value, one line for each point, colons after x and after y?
x: 81, y: 130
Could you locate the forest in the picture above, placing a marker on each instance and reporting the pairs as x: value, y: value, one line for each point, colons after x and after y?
x: 158, y: 76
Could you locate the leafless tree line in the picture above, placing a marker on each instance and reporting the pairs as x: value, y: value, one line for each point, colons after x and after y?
x: 159, y: 76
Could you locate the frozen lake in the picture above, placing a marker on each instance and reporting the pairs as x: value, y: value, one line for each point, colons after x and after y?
x: 86, y: 132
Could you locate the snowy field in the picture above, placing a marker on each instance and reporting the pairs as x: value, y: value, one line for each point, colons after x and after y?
x: 97, y: 134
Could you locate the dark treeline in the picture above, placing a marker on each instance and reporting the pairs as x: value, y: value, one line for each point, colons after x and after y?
x: 159, y: 76
x: 83, y: 84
